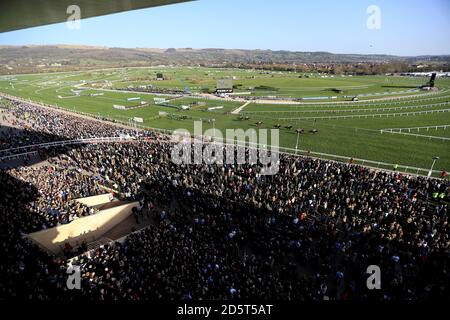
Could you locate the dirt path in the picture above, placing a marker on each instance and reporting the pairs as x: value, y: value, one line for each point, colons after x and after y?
x: 238, y: 110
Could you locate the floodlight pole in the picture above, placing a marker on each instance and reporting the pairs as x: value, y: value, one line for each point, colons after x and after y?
x: 435, y: 159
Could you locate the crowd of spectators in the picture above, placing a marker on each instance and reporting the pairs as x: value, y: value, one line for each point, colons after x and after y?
x: 30, y: 124
x: 226, y: 231
x: 57, y: 187
x: 335, y: 219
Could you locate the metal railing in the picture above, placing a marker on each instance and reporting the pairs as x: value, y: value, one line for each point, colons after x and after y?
x: 13, y: 151
x: 343, y: 159
x: 445, y: 126
x: 17, y: 156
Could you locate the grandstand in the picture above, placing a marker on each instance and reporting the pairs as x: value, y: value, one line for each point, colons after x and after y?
x: 204, y: 179
x: 151, y: 203
x: 224, y: 86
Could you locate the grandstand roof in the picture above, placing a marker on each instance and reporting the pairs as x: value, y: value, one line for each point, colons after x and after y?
x: 21, y: 14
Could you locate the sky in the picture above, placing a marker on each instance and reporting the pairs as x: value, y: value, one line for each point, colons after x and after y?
x: 407, y: 27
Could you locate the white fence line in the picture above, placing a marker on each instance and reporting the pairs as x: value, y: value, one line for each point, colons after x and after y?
x: 350, y: 105
x: 373, y: 101
x: 352, y: 110
x: 365, y: 116
x: 293, y: 101
x: 283, y: 150
x: 378, y: 165
x: 417, y: 135
x: 445, y: 126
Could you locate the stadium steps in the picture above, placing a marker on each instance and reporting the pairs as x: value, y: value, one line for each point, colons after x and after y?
x: 97, y: 244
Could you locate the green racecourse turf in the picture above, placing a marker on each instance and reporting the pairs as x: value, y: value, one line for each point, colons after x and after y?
x: 286, y: 84
x: 356, y: 137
